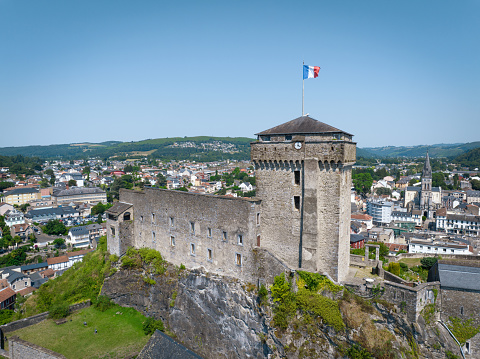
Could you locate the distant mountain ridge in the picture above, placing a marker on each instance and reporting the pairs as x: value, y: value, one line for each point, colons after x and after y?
x: 206, y: 148
x: 437, y: 150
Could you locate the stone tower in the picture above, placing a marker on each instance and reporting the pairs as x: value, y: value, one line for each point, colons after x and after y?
x: 303, y: 170
x: 426, y: 194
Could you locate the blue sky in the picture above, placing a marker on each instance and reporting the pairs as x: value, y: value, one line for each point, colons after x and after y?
x: 393, y: 72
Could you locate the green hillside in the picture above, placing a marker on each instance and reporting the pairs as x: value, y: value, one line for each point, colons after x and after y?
x: 438, y: 150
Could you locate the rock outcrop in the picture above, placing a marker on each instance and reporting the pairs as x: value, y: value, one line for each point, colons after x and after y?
x: 220, y: 317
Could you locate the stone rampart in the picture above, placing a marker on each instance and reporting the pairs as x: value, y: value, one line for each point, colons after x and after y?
x: 214, y: 232
x: 26, y: 322
x: 21, y: 349
x: 411, y: 300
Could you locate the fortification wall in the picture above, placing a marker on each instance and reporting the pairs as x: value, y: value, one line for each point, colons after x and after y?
x: 463, y: 304
x: 21, y: 349
x: 217, y: 233
x: 411, y: 300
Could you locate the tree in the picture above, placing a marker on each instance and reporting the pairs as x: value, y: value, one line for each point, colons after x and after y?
x: 5, y: 184
x: 58, y: 242
x: 86, y: 170
x: 438, y: 180
x: 161, y: 180
x: 383, y: 191
x: 72, y: 183
x: 413, y: 181
x: 99, y: 219
x: 475, y: 184
x: 428, y: 262
x: 362, y: 182
x: 52, y: 179
x: 44, y: 183
x: 55, y: 227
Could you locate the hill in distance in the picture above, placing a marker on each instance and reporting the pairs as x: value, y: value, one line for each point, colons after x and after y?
x: 208, y: 148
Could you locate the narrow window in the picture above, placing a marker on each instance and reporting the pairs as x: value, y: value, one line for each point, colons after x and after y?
x: 240, y: 239
x: 297, y: 177
x: 112, y: 229
x: 224, y: 235
x: 258, y: 219
x: 209, y: 254
x: 192, y: 249
x: 467, y: 347
x: 192, y: 227
x: 153, y: 218
x: 258, y: 241
x: 461, y: 310
x: 209, y: 232
x: 238, y: 259
x: 153, y: 237
x: 296, y: 202
x: 172, y: 222
x: 172, y: 241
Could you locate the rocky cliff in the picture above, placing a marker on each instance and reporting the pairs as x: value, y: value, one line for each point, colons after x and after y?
x: 220, y: 317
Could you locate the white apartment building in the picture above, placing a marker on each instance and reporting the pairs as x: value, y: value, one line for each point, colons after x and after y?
x: 433, y: 247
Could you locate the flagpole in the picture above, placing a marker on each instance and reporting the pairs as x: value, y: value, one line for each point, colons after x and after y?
x: 303, y: 86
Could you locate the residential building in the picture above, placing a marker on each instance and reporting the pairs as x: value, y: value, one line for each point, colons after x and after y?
x: 7, y: 298
x: 363, y: 218
x: 80, y: 195
x: 437, y: 247
x: 357, y: 241
x: 380, y: 211
x: 21, y: 195
x: 14, y: 217
x: 58, y: 263
x: 4, y: 207
x: 78, y: 237
x: 47, y: 214
x: 473, y: 196
x: 468, y: 224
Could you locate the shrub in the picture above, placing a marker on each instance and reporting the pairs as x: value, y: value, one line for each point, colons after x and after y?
x: 150, y: 325
x: 316, y: 281
x: 428, y: 262
x: 321, y: 306
x: 394, y: 268
x: 463, y: 329
x: 357, y: 352
x: 59, y: 310
x: 113, y: 258
x: 262, y: 294
x: 102, y: 303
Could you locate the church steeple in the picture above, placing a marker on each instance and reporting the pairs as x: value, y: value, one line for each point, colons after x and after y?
x: 427, y: 169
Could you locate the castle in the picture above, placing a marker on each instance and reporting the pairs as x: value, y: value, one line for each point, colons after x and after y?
x: 299, y: 220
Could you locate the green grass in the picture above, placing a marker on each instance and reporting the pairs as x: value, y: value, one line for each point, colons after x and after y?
x: 411, y: 262
x: 118, y: 335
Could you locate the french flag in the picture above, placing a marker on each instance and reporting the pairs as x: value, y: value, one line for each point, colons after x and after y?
x: 310, y: 72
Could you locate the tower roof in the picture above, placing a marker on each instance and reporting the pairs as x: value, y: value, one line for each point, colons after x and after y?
x: 427, y: 169
x: 302, y: 125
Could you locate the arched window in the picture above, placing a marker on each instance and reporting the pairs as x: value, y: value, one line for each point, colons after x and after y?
x: 126, y: 216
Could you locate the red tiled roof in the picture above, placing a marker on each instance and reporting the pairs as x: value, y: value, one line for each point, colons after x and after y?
x: 79, y: 253
x: 3, y: 283
x: 363, y: 217
x: 26, y: 291
x: 6, y: 293
x: 56, y: 260
x: 48, y: 272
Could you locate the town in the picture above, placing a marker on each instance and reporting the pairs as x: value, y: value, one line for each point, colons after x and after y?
x: 56, y: 214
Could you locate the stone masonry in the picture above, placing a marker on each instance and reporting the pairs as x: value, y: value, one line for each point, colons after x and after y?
x: 301, y: 215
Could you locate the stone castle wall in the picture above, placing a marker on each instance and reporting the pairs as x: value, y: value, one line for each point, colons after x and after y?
x: 214, y: 232
x: 463, y: 304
